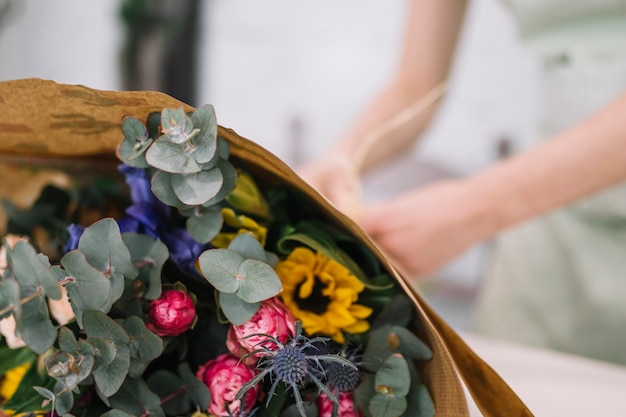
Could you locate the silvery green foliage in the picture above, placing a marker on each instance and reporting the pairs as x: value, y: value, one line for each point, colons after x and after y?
x: 95, y: 275
x: 242, y: 275
x: 189, y: 164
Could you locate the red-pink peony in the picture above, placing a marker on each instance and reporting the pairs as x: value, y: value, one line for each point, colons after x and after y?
x: 171, y: 314
x: 224, y: 376
x: 272, y: 319
x: 346, y: 406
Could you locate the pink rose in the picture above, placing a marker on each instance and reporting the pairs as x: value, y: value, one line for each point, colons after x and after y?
x: 346, y: 406
x: 172, y: 313
x: 272, y: 319
x: 224, y: 376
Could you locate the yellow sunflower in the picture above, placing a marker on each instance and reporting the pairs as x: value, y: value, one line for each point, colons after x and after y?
x: 322, y: 293
x: 239, y: 224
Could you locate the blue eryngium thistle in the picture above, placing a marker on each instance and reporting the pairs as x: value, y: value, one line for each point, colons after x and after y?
x: 295, y: 364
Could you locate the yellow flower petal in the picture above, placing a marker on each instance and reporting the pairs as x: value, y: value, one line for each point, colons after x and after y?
x: 305, y: 274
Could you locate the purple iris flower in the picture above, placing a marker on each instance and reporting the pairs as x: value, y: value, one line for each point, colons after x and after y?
x: 149, y: 215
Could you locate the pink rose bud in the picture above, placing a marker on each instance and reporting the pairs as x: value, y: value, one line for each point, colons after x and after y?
x: 171, y: 314
x: 224, y: 376
x: 346, y: 406
x: 272, y: 319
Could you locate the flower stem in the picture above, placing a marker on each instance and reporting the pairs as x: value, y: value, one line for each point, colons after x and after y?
x: 23, y: 301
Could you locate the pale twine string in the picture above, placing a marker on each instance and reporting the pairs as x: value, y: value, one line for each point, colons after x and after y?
x: 356, y: 161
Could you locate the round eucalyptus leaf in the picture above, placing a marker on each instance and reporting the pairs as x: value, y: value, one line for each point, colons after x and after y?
x: 144, y: 344
x: 149, y: 256
x: 10, y: 296
x: 172, y: 158
x: 387, y: 406
x: 205, y: 226
x: 105, y: 351
x: 223, y: 148
x: 247, y: 245
x: 136, y: 140
x: 229, y: 177
x: 104, y: 248
x: 176, y: 125
x: 64, y: 402
x: 135, y: 397
x: 420, y: 403
x: 393, y: 376
x: 205, y: 141
x: 236, y: 310
x: 197, y: 188
x: 98, y: 324
x: 35, y: 326
x: 161, y: 185
x: 109, y: 378
x: 88, y: 289
x: 221, y: 268
x: 31, y: 269
x: 67, y: 341
x: 259, y: 282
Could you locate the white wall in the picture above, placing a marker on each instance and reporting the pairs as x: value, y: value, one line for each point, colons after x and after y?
x: 69, y: 41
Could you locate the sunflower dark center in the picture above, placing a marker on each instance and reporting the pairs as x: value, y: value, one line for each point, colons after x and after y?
x: 316, y: 302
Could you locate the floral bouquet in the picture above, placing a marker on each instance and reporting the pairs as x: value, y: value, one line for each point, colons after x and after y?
x: 200, y: 277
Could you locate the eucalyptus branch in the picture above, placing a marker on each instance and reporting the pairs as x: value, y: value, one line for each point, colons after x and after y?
x: 23, y: 301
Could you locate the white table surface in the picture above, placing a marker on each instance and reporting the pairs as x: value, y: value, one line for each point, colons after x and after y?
x: 554, y: 384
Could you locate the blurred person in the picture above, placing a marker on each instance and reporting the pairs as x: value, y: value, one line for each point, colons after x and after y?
x: 557, y: 274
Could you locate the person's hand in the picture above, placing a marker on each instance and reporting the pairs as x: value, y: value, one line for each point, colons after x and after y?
x: 334, y: 176
x: 424, y: 229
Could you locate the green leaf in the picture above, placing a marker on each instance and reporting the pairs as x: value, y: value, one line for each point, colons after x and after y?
x: 397, y: 312
x: 150, y: 255
x: 247, y: 245
x: 206, y: 141
x: 161, y: 185
x: 11, y: 358
x: 67, y: 340
x: 109, y: 377
x: 136, y: 398
x: 362, y: 395
x: 198, y: 391
x: 135, y: 143
x: 229, y: 178
x: 420, y: 403
x: 35, y: 326
x: 221, y: 268
x: 177, y: 126
x: 117, y: 413
x: 25, y: 399
x: 259, y: 282
x: 394, y: 376
x: 32, y: 270
x: 387, y: 340
x: 104, y: 249
x: 88, y: 289
x: 205, y: 224
x: 171, y: 157
x: 387, y: 406
x: 64, y: 402
x: 236, y: 310
x: 144, y: 344
x: 198, y: 187
x: 10, y: 297
x: 164, y: 384
x: 105, y: 351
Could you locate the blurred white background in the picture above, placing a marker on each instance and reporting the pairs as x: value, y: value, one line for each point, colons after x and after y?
x: 292, y: 76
